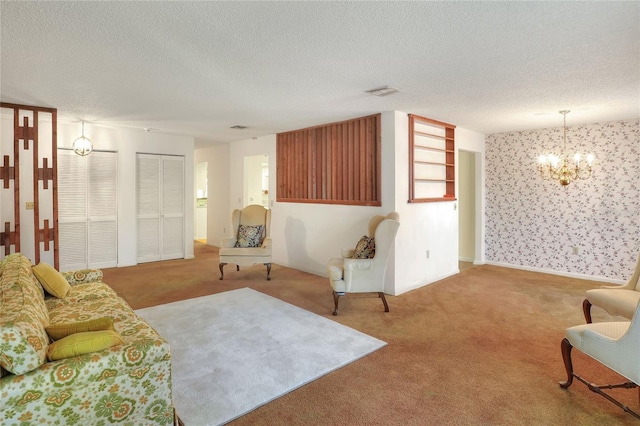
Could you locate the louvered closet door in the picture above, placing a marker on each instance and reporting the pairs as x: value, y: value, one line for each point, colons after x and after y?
x: 160, y: 207
x: 148, y: 186
x: 172, y: 207
x: 72, y: 210
x: 103, y: 210
x: 87, y: 210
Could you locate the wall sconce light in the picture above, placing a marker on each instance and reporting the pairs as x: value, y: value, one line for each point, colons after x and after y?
x: 82, y: 146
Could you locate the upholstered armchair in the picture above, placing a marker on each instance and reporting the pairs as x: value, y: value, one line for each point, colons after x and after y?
x: 362, y: 270
x: 251, y: 243
x: 614, y: 344
x: 616, y: 300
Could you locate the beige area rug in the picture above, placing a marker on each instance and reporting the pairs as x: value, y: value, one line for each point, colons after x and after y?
x: 235, y: 351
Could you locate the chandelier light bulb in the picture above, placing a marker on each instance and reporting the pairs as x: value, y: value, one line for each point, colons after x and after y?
x: 83, y: 145
x: 577, y: 158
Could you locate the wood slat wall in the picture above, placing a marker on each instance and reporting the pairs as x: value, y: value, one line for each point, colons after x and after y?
x: 337, y: 163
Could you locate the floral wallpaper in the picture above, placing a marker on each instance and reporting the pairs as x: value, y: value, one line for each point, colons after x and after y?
x: 535, y: 223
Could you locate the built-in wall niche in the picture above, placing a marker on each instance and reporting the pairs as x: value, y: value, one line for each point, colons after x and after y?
x: 431, y: 160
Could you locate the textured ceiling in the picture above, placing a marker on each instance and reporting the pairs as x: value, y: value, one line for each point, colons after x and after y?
x: 198, y: 68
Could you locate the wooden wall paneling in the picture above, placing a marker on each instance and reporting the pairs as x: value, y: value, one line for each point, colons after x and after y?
x: 36, y: 198
x: 377, y: 173
x: 16, y: 180
x: 29, y: 134
x: 336, y: 163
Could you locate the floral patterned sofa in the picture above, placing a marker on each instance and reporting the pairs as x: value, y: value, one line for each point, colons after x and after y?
x: 127, y: 384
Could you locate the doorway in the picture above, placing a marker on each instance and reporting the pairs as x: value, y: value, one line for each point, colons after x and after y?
x: 470, y: 233
x: 201, y: 186
x: 256, y: 180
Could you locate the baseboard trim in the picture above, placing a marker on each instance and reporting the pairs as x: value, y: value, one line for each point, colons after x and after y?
x: 560, y: 273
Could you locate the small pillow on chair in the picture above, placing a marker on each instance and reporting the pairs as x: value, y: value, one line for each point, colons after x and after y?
x: 249, y: 235
x: 83, y: 343
x: 52, y: 280
x: 365, y: 249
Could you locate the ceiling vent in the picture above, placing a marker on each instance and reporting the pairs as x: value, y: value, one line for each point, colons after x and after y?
x: 238, y: 127
x: 382, y: 91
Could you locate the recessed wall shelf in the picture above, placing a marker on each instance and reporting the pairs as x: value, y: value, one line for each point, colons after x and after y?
x: 431, y: 160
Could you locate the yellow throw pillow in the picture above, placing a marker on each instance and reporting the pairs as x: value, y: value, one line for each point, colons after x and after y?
x: 58, y: 331
x: 51, y: 280
x: 83, y: 343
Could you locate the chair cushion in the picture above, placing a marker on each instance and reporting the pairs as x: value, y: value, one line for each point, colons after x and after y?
x: 607, y: 330
x: 249, y: 235
x: 244, y: 251
x: 365, y: 249
x: 615, y: 301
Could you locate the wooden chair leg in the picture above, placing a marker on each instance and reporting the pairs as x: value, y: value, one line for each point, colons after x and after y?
x: 221, y: 271
x: 268, y: 271
x: 336, y: 297
x: 384, y: 300
x: 586, y: 308
x: 568, y: 365
x: 238, y: 268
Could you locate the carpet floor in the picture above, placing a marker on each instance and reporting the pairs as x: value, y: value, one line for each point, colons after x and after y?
x: 478, y: 348
x: 240, y: 349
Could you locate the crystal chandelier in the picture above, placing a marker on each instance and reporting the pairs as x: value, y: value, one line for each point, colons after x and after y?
x: 82, y: 145
x: 554, y: 167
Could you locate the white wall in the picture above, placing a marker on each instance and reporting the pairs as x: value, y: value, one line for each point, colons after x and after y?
x: 423, y: 226
x: 127, y: 143
x: 306, y: 236
x: 218, y: 210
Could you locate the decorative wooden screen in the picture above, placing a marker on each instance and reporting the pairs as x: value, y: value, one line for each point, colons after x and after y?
x: 336, y: 163
x: 28, y: 128
x: 432, y: 174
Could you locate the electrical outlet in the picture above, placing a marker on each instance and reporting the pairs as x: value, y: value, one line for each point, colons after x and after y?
x: 30, y: 205
x: 576, y: 250
x: 224, y: 230
x: 428, y: 254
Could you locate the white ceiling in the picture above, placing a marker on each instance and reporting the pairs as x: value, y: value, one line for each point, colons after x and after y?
x: 198, y: 68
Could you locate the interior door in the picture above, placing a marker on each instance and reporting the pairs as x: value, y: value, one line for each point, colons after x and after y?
x: 88, y: 211
x: 160, y: 207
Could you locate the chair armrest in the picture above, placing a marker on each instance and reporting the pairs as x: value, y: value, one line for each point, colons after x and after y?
x: 266, y: 243
x: 83, y: 276
x: 228, y: 242
x: 348, y: 253
x: 626, y: 286
x: 357, y: 264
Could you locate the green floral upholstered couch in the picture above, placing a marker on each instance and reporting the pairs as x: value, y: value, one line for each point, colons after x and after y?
x: 127, y: 384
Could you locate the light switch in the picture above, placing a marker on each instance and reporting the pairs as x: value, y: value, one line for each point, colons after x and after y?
x: 30, y: 205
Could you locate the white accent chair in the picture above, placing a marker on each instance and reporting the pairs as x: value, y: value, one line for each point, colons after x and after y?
x: 616, y: 300
x: 614, y: 344
x: 251, y: 215
x: 349, y: 275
